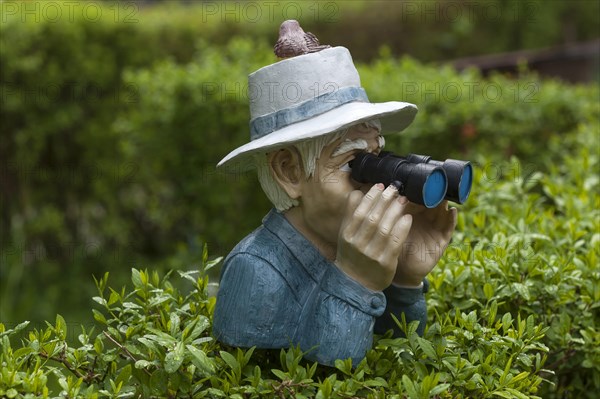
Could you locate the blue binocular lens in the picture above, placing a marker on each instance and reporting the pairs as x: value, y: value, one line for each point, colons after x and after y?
x: 464, y: 187
x: 434, y: 188
x: 459, y: 173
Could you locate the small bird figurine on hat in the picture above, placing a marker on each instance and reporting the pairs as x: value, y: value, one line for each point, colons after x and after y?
x: 293, y: 41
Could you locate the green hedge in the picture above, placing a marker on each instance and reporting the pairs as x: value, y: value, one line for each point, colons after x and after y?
x: 62, y: 87
x: 105, y: 162
x: 429, y: 30
x: 514, y: 313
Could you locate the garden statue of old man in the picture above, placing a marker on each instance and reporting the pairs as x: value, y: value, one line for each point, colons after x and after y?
x: 335, y: 258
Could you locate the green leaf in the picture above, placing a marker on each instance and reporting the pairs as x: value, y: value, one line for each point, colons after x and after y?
x: 516, y: 394
x: 200, y: 360
x: 506, y: 322
x: 506, y: 370
x: 99, y: 316
x: 200, y: 325
x: 136, y: 278
x: 161, y: 338
x: 158, y: 382
x: 248, y: 355
x: 61, y: 327
x: 99, y: 300
x: 280, y: 374
x: 15, y: 330
x: 124, y: 375
x: 114, y: 297
x: 522, y: 290
x: 519, y: 377
x: 209, y: 265
x: 493, y: 312
x: 141, y: 364
x: 410, y: 387
x: 148, y: 343
x: 131, y: 305
x: 174, y: 358
x: 24, y: 351
x: 488, y: 291
x: 376, y: 382
x: 345, y: 366
x: 439, y: 389
x: 229, y: 359
x: 204, y: 254
x: 427, y: 348
x: 383, y: 367
x: 174, y: 323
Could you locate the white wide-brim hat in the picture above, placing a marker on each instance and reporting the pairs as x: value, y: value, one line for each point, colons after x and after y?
x: 307, y: 96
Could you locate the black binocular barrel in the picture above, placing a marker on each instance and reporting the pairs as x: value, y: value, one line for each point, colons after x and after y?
x: 421, y: 183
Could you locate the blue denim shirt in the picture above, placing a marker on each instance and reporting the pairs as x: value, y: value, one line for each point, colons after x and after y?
x: 277, y: 290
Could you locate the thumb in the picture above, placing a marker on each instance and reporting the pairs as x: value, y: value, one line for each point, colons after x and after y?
x: 400, y: 233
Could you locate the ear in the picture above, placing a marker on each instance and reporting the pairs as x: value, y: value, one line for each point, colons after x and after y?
x: 286, y: 168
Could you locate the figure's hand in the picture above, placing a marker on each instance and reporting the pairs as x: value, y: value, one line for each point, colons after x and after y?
x: 429, y: 235
x: 371, y: 236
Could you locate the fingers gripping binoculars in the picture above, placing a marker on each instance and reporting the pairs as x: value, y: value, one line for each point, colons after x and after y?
x: 418, y: 177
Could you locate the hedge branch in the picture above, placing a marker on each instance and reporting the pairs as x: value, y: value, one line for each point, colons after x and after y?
x: 124, y: 349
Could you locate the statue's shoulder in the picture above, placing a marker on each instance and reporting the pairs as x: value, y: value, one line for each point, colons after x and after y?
x: 262, y: 245
x: 270, y: 253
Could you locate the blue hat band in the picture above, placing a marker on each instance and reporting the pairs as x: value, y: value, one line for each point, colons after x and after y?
x: 266, y: 124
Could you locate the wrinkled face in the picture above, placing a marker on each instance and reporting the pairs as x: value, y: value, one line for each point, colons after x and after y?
x: 324, y: 194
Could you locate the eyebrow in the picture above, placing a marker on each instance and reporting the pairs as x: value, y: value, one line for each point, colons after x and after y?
x: 356, y: 144
x: 350, y: 145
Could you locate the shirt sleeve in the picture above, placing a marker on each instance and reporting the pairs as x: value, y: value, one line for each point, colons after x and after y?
x: 254, y: 305
x: 338, y: 318
x: 410, y: 301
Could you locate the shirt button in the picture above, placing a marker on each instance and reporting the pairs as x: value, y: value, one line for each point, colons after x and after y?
x: 376, y: 302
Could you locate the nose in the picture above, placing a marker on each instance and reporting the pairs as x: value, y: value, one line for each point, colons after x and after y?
x: 375, y: 142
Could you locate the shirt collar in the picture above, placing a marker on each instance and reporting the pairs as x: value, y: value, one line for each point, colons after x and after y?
x: 303, y: 250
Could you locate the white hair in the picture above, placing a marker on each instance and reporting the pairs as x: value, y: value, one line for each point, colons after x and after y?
x: 309, y: 151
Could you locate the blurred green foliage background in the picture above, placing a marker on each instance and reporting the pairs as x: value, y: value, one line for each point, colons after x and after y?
x: 114, y: 115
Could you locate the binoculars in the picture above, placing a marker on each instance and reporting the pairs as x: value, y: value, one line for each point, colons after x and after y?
x: 418, y: 177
